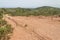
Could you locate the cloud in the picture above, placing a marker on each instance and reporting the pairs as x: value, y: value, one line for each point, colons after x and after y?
x: 29, y: 3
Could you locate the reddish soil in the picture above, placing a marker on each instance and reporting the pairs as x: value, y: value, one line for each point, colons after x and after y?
x: 34, y: 28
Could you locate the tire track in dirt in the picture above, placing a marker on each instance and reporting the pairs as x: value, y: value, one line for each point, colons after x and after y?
x: 39, y: 37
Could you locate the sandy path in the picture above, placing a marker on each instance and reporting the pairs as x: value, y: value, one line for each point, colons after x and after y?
x: 34, y: 28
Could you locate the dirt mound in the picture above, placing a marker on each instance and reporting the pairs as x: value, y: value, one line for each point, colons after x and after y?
x: 34, y: 28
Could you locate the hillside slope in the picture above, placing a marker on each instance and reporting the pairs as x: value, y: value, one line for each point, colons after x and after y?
x: 45, y: 10
x: 34, y: 28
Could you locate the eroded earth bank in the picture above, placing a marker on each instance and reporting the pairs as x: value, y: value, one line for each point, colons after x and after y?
x: 34, y: 28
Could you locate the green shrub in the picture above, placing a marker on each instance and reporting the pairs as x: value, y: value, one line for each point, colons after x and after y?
x: 2, y: 22
x: 4, y: 31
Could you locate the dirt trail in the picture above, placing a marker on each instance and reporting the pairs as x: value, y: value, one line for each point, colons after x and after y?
x: 34, y: 28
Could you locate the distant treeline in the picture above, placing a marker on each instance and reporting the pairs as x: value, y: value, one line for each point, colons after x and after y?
x: 45, y: 10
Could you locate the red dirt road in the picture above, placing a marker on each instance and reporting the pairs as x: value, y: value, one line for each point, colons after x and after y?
x: 34, y: 28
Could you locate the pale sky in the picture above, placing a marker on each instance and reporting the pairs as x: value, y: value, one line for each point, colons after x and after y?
x: 29, y: 3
